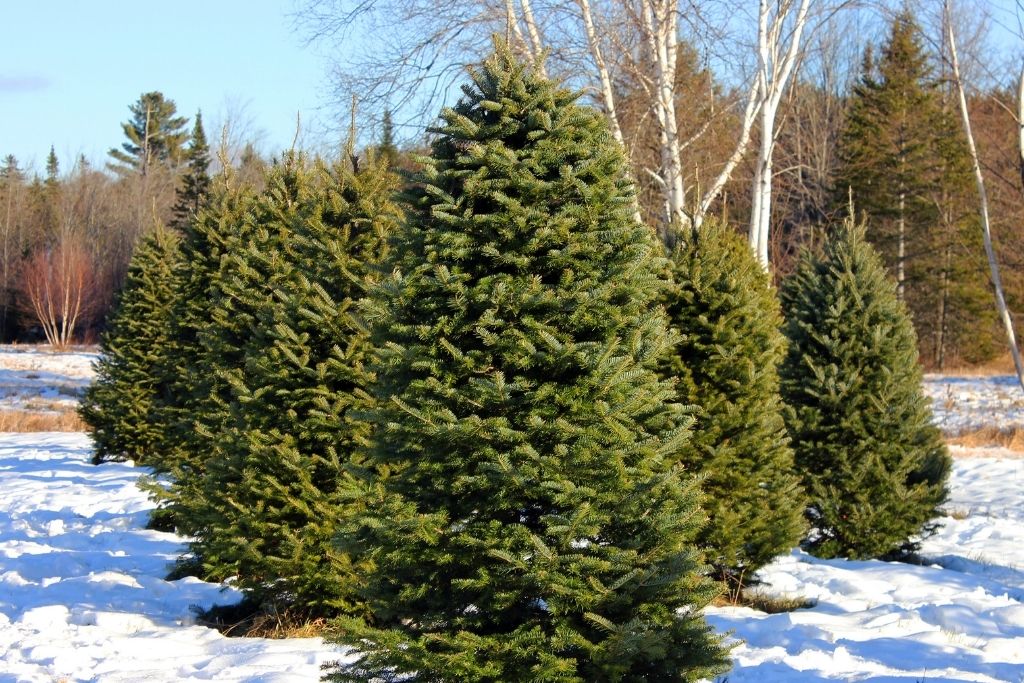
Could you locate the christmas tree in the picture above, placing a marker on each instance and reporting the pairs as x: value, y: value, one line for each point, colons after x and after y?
x: 118, y: 406
x: 726, y: 312
x: 872, y: 462
x: 273, y: 493
x: 525, y: 509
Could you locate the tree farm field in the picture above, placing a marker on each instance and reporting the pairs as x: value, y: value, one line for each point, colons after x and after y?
x: 83, y: 594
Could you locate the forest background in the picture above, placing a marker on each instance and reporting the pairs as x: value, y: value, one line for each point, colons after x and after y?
x: 720, y: 105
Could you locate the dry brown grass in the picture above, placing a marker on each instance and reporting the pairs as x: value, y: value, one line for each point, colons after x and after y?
x: 1001, y: 365
x: 35, y: 421
x: 769, y: 604
x: 262, y: 624
x: 1011, y: 438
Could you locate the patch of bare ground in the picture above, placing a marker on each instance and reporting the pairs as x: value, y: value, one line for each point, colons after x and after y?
x: 37, y: 421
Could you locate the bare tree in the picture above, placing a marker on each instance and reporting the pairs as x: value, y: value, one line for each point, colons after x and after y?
x: 1004, y: 313
x: 58, y: 287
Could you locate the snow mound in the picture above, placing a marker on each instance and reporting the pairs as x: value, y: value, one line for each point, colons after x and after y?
x: 82, y: 596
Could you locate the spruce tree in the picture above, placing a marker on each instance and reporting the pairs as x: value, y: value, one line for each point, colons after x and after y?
x: 874, y: 465
x: 526, y: 513
x: 118, y: 405
x: 182, y: 449
x: 195, y: 183
x: 278, y: 478
x: 725, y: 310
x: 903, y: 157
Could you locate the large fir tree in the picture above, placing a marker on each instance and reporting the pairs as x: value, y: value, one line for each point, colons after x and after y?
x: 194, y: 186
x: 903, y: 157
x: 118, y: 406
x: 182, y: 450
x: 529, y: 519
x: 278, y: 475
x: 873, y: 463
x: 726, y: 312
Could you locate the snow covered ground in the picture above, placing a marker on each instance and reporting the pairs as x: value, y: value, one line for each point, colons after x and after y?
x: 82, y: 594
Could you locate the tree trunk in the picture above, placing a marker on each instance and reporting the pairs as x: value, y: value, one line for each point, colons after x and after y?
x: 997, y: 283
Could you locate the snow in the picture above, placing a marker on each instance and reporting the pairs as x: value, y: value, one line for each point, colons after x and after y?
x: 83, y: 595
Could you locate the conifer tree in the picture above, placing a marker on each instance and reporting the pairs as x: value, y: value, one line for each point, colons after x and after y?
x: 903, y: 157
x: 118, y: 405
x: 195, y: 183
x: 528, y: 519
x: 387, y: 149
x: 724, y: 308
x: 52, y: 168
x: 873, y: 464
x: 155, y: 135
x: 182, y: 450
x: 278, y: 478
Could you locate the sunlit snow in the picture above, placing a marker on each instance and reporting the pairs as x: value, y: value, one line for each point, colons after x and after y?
x: 83, y: 595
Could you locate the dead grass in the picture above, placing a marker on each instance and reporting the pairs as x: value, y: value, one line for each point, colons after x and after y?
x: 769, y: 604
x: 1011, y: 438
x: 240, y: 621
x: 1001, y: 365
x: 35, y: 421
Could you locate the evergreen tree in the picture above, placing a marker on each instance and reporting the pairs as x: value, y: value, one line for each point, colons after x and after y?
x: 387, y: 149
x: 52, y: 168
x: 181, y: 451
x: 278, y: 477
x: 525, y: 513
x: 873, y: 464
x: 725, y: 310
x: 904, y: 159
x: 118, y: 406
x: 155, y: 135
x: 195, y: 183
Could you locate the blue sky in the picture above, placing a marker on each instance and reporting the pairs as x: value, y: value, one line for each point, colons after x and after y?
x: 69, y: 69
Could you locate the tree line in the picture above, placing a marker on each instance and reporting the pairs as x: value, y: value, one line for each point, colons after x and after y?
x: 66, y: 237
x: 480, y: 421
x: 882, y: 130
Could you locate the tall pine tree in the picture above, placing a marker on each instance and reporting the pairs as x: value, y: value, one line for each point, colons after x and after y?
x: 155, y: 135
x: 529, y: 519
x: 279, y: 475
x: 903, y: 158
x: 874, y: 465
x: 725, y: 310
x: 118, y: 406
x: 195, y: 183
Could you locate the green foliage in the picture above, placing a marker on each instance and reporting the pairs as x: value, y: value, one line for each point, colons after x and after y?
x: 118, y: 406
x: 874, y: 465
x: 155, y: 135
x: 195, y: 183
x: 724, y: 308
x: 276, y: 484
x: 387, y: 149
x: 903, y: 156
x: 182, y: 452
x: 525, y: 510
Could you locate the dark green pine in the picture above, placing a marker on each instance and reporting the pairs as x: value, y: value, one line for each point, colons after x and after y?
x: 874, y: 465
x: 722, y: 305
x: 194, y: 186
x: 278, y: 485
x: 118, y: 406
x: 525, y: 511
x: 182, y: 451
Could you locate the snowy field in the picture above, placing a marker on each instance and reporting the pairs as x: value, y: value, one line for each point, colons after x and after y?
x: 83, y: 598
x: 31, y: 379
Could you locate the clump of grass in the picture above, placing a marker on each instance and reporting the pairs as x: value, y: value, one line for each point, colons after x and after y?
x: 765, y: 602
x: 1011, y: 438
x: 38, y: 421
x: 250, y: 620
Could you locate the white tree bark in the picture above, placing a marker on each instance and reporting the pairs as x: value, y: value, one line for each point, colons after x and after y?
x: 997, y: 284
x: 774, y: 71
